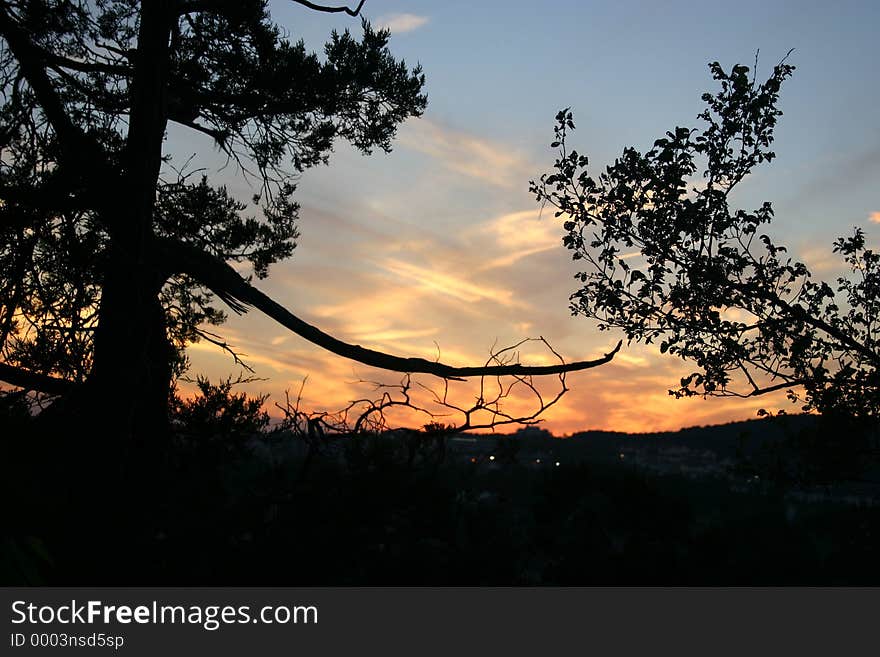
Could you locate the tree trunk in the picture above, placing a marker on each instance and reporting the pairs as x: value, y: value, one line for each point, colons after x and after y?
x: 132, y: 369
x: 115, y: 469
x: 130, y: 383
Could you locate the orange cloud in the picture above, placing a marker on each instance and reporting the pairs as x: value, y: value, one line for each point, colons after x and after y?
x: 874, y: 217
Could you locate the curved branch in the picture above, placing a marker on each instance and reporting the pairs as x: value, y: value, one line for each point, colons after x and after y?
x: 218, y: 5
x: 236, y: 292
x: 332, y: 10
x: 22, y: 378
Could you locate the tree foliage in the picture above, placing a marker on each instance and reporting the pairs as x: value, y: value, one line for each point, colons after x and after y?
x: 70, y: 73
x: 670, y: 260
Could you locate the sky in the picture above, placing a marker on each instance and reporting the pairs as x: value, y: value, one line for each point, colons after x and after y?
x: 438, y: 247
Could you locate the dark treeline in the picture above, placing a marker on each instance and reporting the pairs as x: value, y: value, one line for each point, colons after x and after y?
x: 240, y: 507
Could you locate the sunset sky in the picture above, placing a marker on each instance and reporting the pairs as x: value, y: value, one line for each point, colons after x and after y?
x: 440, y: 245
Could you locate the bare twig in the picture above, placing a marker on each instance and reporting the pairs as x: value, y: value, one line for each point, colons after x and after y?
x: 370, y: 414
x: 218, y: 340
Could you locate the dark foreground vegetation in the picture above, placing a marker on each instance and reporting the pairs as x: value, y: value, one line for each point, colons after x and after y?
x: 231, y: 508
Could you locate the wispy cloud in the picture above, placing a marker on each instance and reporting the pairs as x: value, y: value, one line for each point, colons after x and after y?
x: 523, y: 230
x: 517, y: 235
x: 874, y: 217
x: 820, y: 259
x: 392, y: 335
x: 400, y: 23
x: 447, y: 283
x: 466, y: 154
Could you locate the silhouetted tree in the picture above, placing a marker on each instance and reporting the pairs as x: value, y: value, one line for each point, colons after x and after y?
x: 669, y: 260
x: 112, y: 259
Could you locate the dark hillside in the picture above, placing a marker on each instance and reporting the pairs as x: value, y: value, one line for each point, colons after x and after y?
x: 522, y: 509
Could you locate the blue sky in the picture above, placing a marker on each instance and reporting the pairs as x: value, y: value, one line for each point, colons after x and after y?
x: 440, y: 241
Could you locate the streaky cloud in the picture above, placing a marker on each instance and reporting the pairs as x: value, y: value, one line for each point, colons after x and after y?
x: 476, y: 158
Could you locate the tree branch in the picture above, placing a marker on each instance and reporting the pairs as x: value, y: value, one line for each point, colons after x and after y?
x: 84, y: 67
x: 218, y: 5
x: 22, y: 378
x: 757, y: 391
x: 220, y: 136
x: 779, y: 386
x: 332, y: 10
x: 236, y: 292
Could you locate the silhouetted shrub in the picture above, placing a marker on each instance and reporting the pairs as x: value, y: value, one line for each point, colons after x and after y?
x: 217, y: 418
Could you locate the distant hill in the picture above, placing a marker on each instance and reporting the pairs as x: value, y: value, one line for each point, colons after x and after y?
x: 695, y: 451
x: 726, y: 440
x: 792, y: 449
